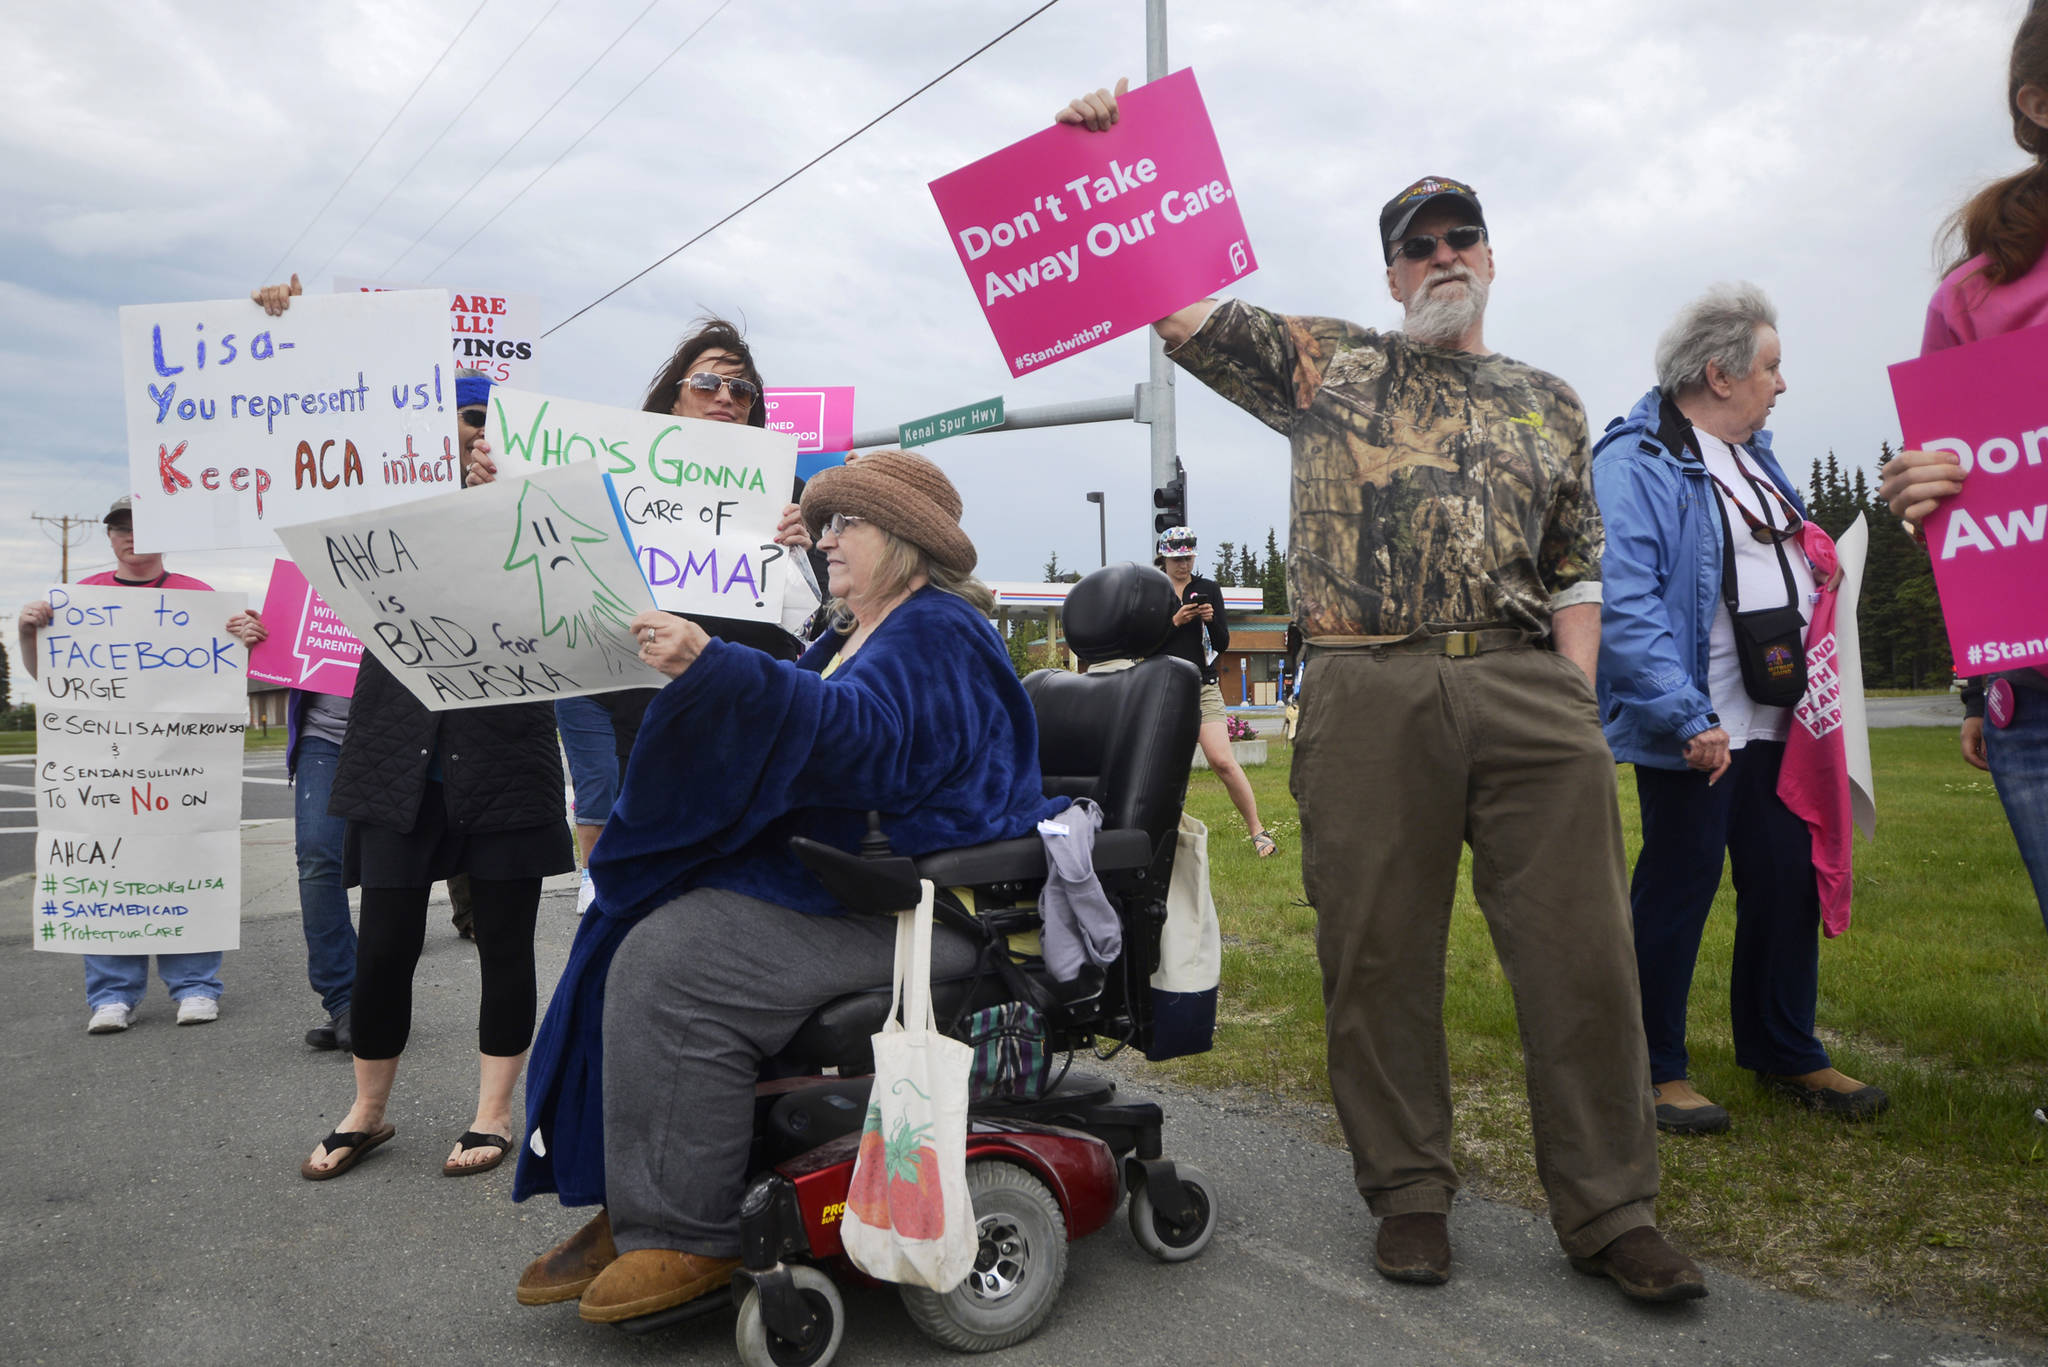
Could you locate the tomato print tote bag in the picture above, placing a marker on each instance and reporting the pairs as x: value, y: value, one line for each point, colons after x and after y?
x: 908, y: 1217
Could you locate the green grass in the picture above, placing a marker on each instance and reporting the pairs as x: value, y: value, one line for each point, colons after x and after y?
x: 1938, y: 992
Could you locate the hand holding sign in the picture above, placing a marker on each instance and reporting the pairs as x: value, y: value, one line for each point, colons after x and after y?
x: 1980, y: 407
x: 1128, y: 195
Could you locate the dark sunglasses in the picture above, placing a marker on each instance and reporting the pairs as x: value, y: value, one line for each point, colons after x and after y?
x: 474, y: 417
x: 1422, y: 246
x: 705, y: 382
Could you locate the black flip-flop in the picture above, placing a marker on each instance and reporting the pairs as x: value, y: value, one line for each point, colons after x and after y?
x: 477, y: 1139
x: 357, y: 1142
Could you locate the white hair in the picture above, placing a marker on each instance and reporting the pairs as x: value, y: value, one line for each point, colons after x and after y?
x: 1436, y: 320
x: 1719, y: 327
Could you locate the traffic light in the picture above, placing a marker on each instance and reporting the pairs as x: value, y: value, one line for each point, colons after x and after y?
x: 1171, y: 500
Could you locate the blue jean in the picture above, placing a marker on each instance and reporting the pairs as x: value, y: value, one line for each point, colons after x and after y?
x: 2019, y: 766
x: 592, y: 749
x: 124, y: 978
x: 323, y: 898
x: 1689, y: 828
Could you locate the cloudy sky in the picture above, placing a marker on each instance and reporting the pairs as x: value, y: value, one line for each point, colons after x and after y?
x: 1629, y: 153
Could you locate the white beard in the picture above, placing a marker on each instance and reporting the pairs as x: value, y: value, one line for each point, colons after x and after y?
x: 1440, y: 318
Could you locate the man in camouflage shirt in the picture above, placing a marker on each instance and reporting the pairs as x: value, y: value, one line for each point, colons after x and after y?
x: 1443, y: 564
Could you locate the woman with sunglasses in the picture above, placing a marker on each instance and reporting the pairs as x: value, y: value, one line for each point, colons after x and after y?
x: 1200, y: 633
x: 710, y: 376
x: 1705, y: 565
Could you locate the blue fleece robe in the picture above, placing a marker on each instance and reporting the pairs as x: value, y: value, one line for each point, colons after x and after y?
x: 927, y: 724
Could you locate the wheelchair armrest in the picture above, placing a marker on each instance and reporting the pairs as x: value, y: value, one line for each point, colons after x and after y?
x: 1023, y: 859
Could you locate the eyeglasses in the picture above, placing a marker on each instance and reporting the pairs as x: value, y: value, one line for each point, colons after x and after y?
x: 744, y: 392
x: 1422, y: 246
x: 838, y: 523
x: 474, y: 417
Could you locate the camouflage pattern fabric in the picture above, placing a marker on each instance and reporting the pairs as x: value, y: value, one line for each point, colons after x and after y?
x: 1432, y: 489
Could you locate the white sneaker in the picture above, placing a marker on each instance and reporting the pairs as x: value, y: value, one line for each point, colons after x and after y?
x: 586, y: 893
x: 198, y: 1010
x: 110, y: 1019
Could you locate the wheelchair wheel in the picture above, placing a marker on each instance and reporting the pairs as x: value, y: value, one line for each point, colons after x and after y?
x: 759, y: 1348
x: 1017, y: 1272
x: 1164, y: 1240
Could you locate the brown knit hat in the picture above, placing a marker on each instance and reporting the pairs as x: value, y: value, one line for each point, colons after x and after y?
x: 904, y: 495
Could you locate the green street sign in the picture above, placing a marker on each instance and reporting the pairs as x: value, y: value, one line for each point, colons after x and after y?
x: 976, y: 417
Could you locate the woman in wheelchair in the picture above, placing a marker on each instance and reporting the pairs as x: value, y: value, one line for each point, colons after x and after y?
x: 709, y: 944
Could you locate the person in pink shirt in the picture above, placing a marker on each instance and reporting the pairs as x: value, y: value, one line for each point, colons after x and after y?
x: 1999, y: 285
x: 114, y: 983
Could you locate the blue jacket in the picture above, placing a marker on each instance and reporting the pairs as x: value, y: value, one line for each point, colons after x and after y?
x: 926, y: 724
x: 1660, y: 579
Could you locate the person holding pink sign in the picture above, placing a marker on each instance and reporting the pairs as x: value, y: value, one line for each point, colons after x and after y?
x: 1444, y: 566
x: 2000, y: 285
x: 1707, y: 592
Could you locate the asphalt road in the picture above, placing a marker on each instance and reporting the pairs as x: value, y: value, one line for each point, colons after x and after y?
x: 152, y: 1212
x: 265, y: 798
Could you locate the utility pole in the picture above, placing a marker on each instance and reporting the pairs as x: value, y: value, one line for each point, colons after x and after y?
x: 62, y: 536
x: 1155, y: 397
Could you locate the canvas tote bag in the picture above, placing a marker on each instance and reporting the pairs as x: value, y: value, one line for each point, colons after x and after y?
x: 908, y: 1216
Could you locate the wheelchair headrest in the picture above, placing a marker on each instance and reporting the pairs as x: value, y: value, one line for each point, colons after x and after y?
x: 1120, y: 611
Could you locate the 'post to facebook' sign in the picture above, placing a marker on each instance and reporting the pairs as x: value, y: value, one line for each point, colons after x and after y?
x: 141, y: 705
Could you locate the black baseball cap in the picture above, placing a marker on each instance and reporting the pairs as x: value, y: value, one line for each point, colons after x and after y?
x: 1402, y: 208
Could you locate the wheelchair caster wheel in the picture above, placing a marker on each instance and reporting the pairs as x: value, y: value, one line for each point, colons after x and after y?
x: 1018, y: 1268
x: 1161, y: 1237
x: 760, y: 1348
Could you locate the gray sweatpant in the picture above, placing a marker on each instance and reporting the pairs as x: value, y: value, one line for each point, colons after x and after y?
x: 701, y: 991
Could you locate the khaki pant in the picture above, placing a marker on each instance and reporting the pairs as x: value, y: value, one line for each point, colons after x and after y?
x: 1402, y: 758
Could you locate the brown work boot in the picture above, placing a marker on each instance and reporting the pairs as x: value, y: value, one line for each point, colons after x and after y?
x: 1682, y: 1110
x: 650, y: 1279
x: 1646, y: 1268
x: 566, y: 1270
x: 1831, y: 1092
x: 1415, y: 1247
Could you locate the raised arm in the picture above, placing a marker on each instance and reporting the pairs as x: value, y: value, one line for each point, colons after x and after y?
x: 1097, y: 112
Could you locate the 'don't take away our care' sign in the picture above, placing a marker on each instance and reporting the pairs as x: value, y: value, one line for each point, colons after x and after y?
x: 1071, y: 238
x: 141, y: 702
x: 239, y: 422
x: 1988, y: 544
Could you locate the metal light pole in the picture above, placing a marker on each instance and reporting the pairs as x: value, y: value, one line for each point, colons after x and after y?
x: 1101, y: 521
x: 1155, y: 398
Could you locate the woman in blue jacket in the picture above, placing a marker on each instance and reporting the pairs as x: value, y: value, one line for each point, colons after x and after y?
x: 1703, y: 566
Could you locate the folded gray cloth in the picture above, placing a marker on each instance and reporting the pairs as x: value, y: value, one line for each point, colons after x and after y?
x: 1077, y: 921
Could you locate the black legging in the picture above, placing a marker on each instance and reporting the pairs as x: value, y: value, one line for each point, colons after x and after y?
x: 394, y: 930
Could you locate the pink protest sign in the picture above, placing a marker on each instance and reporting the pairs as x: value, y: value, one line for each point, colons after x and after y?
x: 1071, y: 238
x: 1989, y: 543
x: 819, y: 419
x: 308, y: 647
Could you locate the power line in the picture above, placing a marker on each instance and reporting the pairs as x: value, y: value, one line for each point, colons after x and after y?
x: 445, y: 131
x: 523, y: 136
x: 662, y: 261
x: 687, y: 39
x: 287, y: 253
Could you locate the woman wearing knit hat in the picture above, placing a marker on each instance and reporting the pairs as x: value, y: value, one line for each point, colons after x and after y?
x: 709, y: 944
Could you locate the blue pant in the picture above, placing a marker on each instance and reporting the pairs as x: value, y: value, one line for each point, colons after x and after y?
x: 2019, y: 766
x: 593, y: 753
x: 323, y: 898
x: 124, y: 978
x: 1688, y: 828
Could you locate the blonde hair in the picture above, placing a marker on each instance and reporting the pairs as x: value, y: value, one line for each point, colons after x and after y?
x: 898, y: 568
